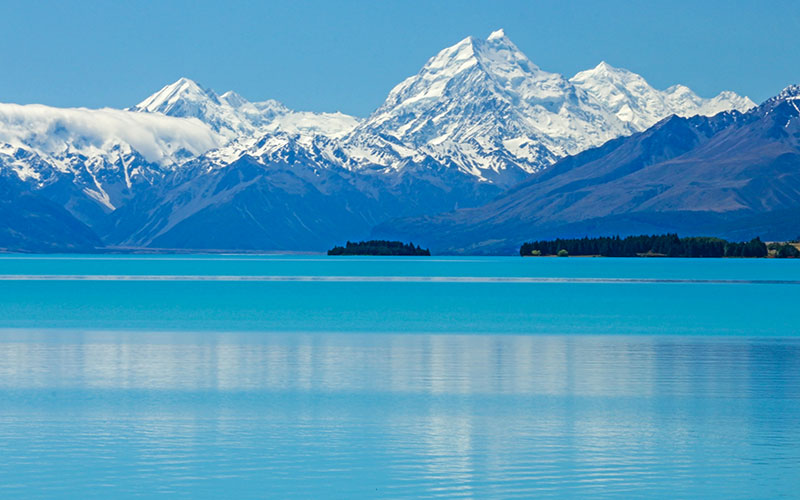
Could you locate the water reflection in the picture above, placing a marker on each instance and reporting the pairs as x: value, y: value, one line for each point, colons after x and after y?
x: 429, y: 364
x: 99, y: 414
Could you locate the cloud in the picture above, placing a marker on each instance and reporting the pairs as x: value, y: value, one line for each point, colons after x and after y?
x: 54, y: 130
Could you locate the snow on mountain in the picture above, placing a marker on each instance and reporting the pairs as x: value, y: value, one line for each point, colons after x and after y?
x: 485, y: 102
x: 233, y: 116
x: 485, y: 105
x: 790, y: 93
x: 102, y: 153
x: 633, y: 101
x: 183, y: 98
x: 335, y: 125
x: 724, y: 101
x: 58, y: 132
x: 480, y: 106
x: 481, y: 90
x: 93, y: 161
x: 730, y: 175
x: 685, y: 103
x: 477, y: 118
x: 308, y: 150
x: 627, y: 95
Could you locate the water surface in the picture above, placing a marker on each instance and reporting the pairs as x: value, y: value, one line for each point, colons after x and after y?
x: 392, y: 389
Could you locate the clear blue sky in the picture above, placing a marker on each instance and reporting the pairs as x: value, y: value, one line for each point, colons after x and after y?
x: 346, y: 56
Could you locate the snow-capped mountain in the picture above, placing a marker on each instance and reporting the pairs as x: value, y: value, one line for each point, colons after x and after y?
x: 733, y: 175
x: 477, y: 118
x: 60, y: 132
x: 484, y: 103
x: 92, y: 161
x: 234, y: 116
x: 498, y: 116
x: 633, y: 101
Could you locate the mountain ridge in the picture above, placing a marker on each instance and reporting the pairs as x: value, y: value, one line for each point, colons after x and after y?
x: 701, y: 175
x: 478, y: 118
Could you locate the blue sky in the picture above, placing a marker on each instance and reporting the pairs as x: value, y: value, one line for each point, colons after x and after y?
x: 346, y: 56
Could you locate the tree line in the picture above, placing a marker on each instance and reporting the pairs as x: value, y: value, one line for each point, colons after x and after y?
x: 667, y: 245
x: 379, y: 247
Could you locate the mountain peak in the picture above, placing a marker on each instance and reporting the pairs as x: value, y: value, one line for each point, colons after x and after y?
x: 183, y: 84
x: 485, y: 97
x: 679, y: 89
x: 176, y: 95
x: 604, y: 68
x: 471, y: 69
x: 495, y: 52
x: 497, y: 35
x: 606, y: 75
x: 234, y: 99
x: 790, y: 93
x: 186, y: 82
x: 186, y: 86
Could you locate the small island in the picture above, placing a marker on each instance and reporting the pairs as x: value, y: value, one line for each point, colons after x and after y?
x: 379, y: 247
x: 666, y: 245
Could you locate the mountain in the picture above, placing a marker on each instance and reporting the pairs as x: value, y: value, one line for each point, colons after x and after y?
x: 732, y: 175
x: 500, y: 117
x: 93, y: 161
x: 633, y: 101
x: 285, y: 192
x: 477, y: 118
x: 58, y: 134
x: 234, y: 116
x: 33, y: 223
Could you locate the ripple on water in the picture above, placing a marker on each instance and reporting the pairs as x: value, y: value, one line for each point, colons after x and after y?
x: 422, y: 416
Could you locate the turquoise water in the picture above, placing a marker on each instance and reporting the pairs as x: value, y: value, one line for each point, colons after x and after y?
x: 391, y: 386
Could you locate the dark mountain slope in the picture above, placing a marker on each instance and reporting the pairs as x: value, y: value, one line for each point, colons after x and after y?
x: 728, y: 175
x: 31, y: 223
x: 293, y: 203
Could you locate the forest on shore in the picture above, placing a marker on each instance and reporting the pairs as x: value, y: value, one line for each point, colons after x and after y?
x: 666, y: 245
x: 379, y: 247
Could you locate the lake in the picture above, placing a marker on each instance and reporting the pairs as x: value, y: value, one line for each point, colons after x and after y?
x: 310, y: 377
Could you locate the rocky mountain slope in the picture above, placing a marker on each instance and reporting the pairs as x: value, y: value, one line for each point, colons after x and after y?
x: 733, y: 175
